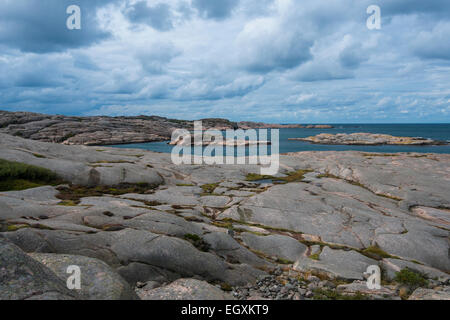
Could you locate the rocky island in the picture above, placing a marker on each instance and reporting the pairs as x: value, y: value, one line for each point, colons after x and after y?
x: 367, y: 139
x: 140, y: 227
x: 102, y: 130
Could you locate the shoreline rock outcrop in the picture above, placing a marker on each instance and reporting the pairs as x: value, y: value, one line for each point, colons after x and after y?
x: 367, y: 139
x: 103, y: 130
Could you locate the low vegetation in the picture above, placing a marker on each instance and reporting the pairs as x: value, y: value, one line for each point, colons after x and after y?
x: 284, y: 261
x: 295, y: 176
x: 209, y: 188
x: 376, y: 253
x: 67, y: 203
x: 258, y: 177
x: 197, y: 242
x: 324, y: 294
x: 16, y: 176
x: 411, y: 278
x: 315, y: 256
x: 74, y: 192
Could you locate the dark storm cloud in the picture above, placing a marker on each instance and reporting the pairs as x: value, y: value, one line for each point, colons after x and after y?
x: 40, y: 26
x: 158, y: 17
x: 268, y: 60
x: 215, y: 9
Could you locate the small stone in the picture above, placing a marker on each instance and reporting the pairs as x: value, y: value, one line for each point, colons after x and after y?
x: 289, y: 286
x: 297, y: 297
x: 312, y: 286
x: 313, y: 279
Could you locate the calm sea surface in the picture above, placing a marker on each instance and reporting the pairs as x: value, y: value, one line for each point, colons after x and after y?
x: 433, y: 131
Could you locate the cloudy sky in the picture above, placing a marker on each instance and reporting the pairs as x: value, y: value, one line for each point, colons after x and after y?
x: 267, y: 60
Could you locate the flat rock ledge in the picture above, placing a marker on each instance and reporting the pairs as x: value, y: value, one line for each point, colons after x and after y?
x: 367, y: 139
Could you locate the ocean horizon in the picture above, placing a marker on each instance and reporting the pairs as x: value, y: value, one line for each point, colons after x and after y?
x: 440, y: 132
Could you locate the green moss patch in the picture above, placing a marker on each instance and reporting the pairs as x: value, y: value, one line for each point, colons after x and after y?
x: 226, y: 287
x: 323, y: 294
x: 75, y: 193
x: 67, y: 203
x: 295, y: 176
x: 315, y: 256
x: 258, y: 177
x: 15, y: 176
x: 376, y: 253
x: 15, y: 227
x: 411, y: 278
x: 209, y: 188
x: 197, y: 242
x: 284, y: 261
x: 37, y: 155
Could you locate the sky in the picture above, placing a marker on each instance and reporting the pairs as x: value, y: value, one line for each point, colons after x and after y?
x: 277, y: 61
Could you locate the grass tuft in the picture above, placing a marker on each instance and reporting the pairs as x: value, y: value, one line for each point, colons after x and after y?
x: 16, y: 176
x: 75, y: 192
x: 376, y: 253
x: 295, y: 176
x: 197, y: 242
x: 323, y: 294
x: 411, y: 278
x: 209, y: 188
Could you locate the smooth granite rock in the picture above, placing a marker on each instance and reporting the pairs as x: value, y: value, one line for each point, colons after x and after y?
x: 23, y: 278
x: 353, y: 201
x: 337, y: 263
x: 98, y: 280
x: 280, y: 246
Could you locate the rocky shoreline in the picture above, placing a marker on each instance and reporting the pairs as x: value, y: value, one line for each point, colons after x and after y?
x: 140, y: 227
x: 102, y: 130
x: 368, y: 139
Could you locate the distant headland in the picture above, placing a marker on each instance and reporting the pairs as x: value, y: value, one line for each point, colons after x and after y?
x: 105, y: 130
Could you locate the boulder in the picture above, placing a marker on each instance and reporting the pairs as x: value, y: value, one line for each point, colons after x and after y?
x: 23, y: 278
x: 98, y: 280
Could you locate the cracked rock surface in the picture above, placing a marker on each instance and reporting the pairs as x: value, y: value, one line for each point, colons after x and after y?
x: 211, y: 224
